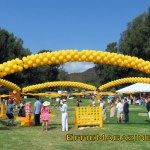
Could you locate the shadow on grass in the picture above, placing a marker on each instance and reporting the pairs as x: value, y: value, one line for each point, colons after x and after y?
x: 58, y: 124
x: 51, y: 128
x: 4, y: 124
x: 136, y: 111
x: 69, y: 128
x: 54, y: 126
x: 144, y: 123
x: 4, y: 128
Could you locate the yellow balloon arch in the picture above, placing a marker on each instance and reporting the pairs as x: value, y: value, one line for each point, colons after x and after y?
x: 64, y: 56
x: 58, y: 83
x: 9, y: 85
x: 124, y: 81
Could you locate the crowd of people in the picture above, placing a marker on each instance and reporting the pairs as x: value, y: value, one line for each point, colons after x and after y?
x: 121, y: 106
x: 40, y: 108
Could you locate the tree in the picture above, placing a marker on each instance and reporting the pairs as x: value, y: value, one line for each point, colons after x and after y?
x: 11, y: 47
x: 134, y: 41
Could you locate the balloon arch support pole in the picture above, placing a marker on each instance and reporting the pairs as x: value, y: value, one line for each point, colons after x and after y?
x: 2, y: 111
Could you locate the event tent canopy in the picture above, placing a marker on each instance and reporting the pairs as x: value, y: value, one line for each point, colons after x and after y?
x: 137, y: 87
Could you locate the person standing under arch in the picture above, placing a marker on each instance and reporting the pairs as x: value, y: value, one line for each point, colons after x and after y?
x: 64, y: 118
x: 119, y: 111
x: 37, y: 111
x: 126, y: 110
x: 45, y: 114
x: 112, y: 109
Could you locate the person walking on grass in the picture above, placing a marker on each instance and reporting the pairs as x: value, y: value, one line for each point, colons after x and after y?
x: 148, y: 106
x: 64, y: 118
x: 9, y: 112
x: 45, y: 115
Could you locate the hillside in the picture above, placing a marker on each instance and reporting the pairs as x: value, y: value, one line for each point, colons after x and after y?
x: 89, y: 76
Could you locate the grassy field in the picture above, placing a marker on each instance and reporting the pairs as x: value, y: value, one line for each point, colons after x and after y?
x: 33, y: 138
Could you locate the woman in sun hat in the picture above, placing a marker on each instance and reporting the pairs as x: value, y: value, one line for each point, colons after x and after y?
x: 64, y: 118
x: 45, y: 114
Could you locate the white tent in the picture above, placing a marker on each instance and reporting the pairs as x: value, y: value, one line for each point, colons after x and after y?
x: 137, y: 87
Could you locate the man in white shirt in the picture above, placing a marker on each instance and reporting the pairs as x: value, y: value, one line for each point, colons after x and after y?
x: 119, y: 111
x: 64, y: 118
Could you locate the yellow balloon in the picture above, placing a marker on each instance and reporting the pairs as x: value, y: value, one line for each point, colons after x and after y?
x: 112, y: 60
x: 60, y: 58
x: 105, y: 59
x: 53, y: 59
x: 26, y: 66
x: 1, y: 67
x: 91, y: 58
x: 12, y: 70
x: 25, y: 60
x: 76, y: 57
x: 20, y: 68
x: 15, y: 67
x: 30, y: 62
x: 68, y: 57
x: 34, y: 65
x: 37, y: 61
x: 45, y: 60
x: 7, y: 70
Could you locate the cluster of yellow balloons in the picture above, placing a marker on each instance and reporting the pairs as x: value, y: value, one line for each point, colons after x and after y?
x: 124, y: 81
x: 58, y: 83
x: 46, y: 58
x: 74, y: 84
x: 10, y: 67
x: 43, y: 94
x: 64, y: 56
x: 9, y: 85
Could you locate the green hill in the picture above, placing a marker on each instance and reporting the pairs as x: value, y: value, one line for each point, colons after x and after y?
x: 89, y: 76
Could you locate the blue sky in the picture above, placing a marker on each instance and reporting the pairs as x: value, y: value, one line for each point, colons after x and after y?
x: 69, y: 24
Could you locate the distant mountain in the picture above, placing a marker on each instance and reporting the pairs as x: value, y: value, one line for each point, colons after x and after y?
x: 89, y: 76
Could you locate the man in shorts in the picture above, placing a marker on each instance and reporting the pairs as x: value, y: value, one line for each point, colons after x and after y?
x: 9, y: 112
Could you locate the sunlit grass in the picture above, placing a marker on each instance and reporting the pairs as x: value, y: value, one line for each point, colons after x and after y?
x: 33, y: 138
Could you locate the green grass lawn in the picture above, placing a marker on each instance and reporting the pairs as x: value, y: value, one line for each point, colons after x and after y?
x: 33, y: 138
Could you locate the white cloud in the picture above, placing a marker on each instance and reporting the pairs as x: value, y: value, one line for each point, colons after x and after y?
x: 72, y: 67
